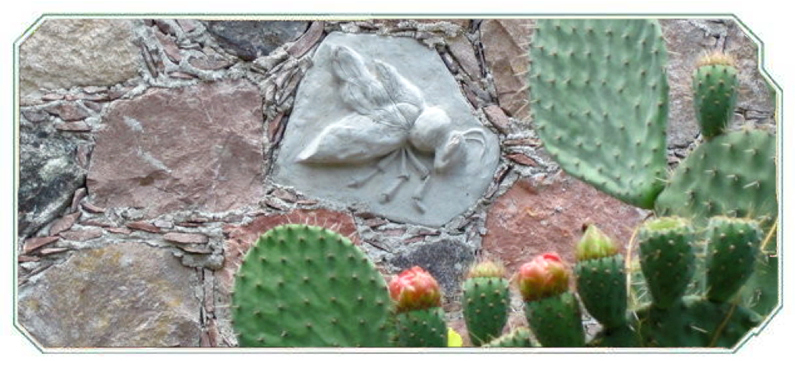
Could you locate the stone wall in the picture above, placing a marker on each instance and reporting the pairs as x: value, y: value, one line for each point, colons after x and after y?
x: 149, y: 148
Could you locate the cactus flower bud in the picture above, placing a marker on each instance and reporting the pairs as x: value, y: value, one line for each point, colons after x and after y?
x: 543, y: 277
x: 487, y: 269
x: 595, y: 245
x: 415, y: 289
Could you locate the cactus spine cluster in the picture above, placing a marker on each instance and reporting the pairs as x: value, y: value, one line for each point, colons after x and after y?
x: 301, y: 285
x: 485, y: 302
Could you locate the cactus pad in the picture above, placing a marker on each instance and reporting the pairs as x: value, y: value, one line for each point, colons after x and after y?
x: 667, y: 258
x: 694, y: 322
x: 732, y: 174
x: 599, y: 98
x: 601, y: 284
x: 307, y: 286
x: 421, y: 328
x: 733, y: 248
x: 520, y: 337
x: 556, y: 321
x: 485, y: 305
x: 714, y: 96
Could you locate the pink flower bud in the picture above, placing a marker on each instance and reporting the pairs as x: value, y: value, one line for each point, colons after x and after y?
x: 543, y: 277
x: 415, y: 289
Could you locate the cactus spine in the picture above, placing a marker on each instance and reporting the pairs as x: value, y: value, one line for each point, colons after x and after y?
x: 485, y: 302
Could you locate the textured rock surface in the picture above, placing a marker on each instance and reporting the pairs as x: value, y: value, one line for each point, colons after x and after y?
x: 48, y: 174
x: 127, y: 294
x: 251, y: 39
x: 446, y: 260
x: 63, y: 53
x: 534, y: 218
x: 505, y: 46
x: 446, y: 196
x: 166, y: 150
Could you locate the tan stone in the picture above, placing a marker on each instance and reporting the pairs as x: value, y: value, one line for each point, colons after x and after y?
x: 62, y: 53
x: 505, y: 46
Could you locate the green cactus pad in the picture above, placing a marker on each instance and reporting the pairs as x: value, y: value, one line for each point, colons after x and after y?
x: 556, y: 321
x: 666, y: 258
x: 732, y: 174
x: 421, y: 328
x: 620, y: 336
x: 733, y: 249
x: 519, y: 337
x: 714, y: 97
x: 695, y: 322
x: 304, y: 286
x: 599, y: 99
x: 601, y: 284
x: 485, y: 305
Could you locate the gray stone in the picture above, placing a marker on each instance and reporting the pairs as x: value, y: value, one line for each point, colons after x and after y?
x: 361, y: 147
x: 63, y: 53
x: 446, y: 260
x: 197, y: 147
x: 505, y: 50
x: 48, y: 175
x: 755, y: 94
x: 251, y: 39
x: 122, y: 295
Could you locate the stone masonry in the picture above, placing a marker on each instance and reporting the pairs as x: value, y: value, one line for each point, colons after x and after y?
x: 148, y: 151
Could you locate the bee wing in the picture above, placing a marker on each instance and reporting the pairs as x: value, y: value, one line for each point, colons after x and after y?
x: 355, y: 138
x: 360, y: 88
x: 398, y: 89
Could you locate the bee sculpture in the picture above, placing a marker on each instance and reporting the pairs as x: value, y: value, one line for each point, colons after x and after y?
x: 390, y: 123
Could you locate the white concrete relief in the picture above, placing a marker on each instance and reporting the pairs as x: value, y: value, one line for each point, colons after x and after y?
x: 380, y: 122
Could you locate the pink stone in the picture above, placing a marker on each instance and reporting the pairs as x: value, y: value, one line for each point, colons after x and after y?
x: 24, y: 258
x: 73, y: 127
x: 175, y: 149
x: 309, y: 39
x: 79, y: 195
x: 91, y: 208
x: 522, y: 159
x: 143, y: 226
x: 498, y: 118
x: 463, y: 51
x: 64, y: 223
x: 241, y: 237
x: 118, y: 230
x: 187, y: 25
x: 186, y: 238
x: 533, y: 142
x: 31, y: 244
x: 52, y: 250
x: 534, y: 218
x: 169, y: 47
x: 68, y: 111
x: 82, y: 235
x: 505, y: 49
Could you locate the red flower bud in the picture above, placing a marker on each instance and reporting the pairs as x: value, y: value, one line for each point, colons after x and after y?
x: 415, y: 289
x: 543, y: 277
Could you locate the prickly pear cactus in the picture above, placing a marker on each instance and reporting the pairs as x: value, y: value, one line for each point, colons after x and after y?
x: 485, y: 302
x: 732, y: 253
x: 732, y: 174
x: 667, y: 258
x: 519, y: 337
x: 422, y: 328
x: 307, y: 286
x: 715, y: 93
x: 556, y: 321
x: 599, y: 98
x: 601, y: 280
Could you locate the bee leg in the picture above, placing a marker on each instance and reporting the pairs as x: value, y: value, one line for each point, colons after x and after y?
x: 419, y: 194
x: 379, y: 168
x: 425, y: 174
x: 402, y: 177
